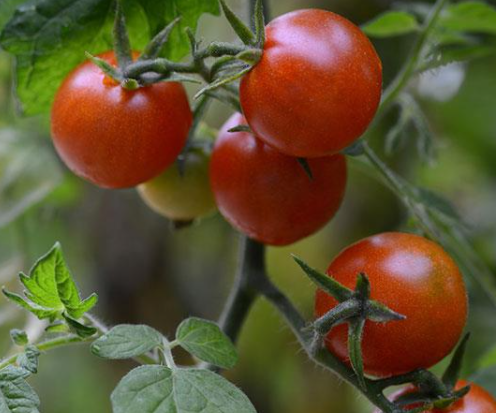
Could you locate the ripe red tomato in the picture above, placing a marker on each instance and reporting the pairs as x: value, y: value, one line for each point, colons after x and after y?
x: 414, y: 277
x: 267, y: 195
x: 181, y: 197
x: 477, y: 400
x: 118, y: 138
x: 317, y: 86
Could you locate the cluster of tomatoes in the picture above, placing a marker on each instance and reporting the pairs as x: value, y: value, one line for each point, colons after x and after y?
x: 313, y: 93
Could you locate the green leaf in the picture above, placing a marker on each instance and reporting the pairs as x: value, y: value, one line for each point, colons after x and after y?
x: 19, y: 337
x: 206, y: 341
x: 80, y: 329
x: 50, y: 289
x: 487, y: 379
x: 29, y: 172
x: 190, y: 11
x: 393, y: 23
x: 29, y: 359
x: 452, y: 373
x: 127, y: 341
x: 16, y: 395
x: 470, y: 16
x: 157, y: 389
x: 326, y: 283
x: 49, y: 38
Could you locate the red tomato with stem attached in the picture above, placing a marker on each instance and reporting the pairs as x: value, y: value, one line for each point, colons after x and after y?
x: 267, y: 195
x: 477, y: 400
x: 118, y: 138
x: 317, y: 86
x: 414, y: 277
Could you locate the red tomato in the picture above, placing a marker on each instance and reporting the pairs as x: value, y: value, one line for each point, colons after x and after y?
x: 477, y: 400
x: 117, y: 138
x: 317, y: 86
x: 267, y: 195
x: 414, y: 277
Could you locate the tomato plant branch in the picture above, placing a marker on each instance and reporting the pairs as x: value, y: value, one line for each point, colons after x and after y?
x: 401, y: 81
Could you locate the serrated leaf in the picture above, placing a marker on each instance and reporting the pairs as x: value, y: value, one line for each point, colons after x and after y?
x: 157, y: 389
x: 28, y: 172
x: 205, y: 340
x: 29, y: 359
x: 470, y: 16
x: 51, y: 289
x: 487, y: 379
x: 127, y: 341
x: 392, y: 23
x: 16, y: 395
x: 19, y: 337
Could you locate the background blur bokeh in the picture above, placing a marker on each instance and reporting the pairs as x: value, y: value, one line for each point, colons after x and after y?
x: 144, y: 272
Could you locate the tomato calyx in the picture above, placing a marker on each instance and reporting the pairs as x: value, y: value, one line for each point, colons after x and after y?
x: 355, y: 308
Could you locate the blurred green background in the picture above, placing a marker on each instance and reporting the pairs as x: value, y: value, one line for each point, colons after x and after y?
x: 144, y: 272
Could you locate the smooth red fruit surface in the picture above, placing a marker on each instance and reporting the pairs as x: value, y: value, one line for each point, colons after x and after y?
x: 267, y: 195
x: 118, y: 138
x: 477, y: 400
x: 414, y: 277
x: 317, y: 86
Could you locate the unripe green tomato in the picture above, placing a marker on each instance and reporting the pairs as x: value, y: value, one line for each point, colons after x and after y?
x: 181, y: 197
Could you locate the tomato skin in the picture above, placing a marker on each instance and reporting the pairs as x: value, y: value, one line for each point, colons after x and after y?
x: 181, y: 197
x: 118, y: 138
x: 267, y: 195
x: 477, y: 400
x: 414, y: 277
x: 317, y: 86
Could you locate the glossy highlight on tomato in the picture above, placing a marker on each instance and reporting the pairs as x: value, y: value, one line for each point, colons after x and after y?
x: 118, y: 138
x: 181, y: 197
x: 414, y: 277
x: 317, y: 86
x: 267, y: 195
x: 478, y: 400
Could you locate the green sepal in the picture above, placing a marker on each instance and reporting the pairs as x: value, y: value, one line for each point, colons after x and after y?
x: 380, y: 313
x: 222, y: 81
x: 362, y: 288
x: 122, y: 45
x: 328, y: 284
x: 106, y: 67
x: 241, y: 29
x: 355, y: 149
x: 250, y: 56
x: 355, y: 335
x: 448, y: 401
x: 303, y: 162
x: 452, y: 373
x: 259, y: 23
x: 153, y: 49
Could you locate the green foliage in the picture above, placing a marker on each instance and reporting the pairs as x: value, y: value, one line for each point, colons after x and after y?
x: 28, y: 172
x: 470, y: 16
x: 7, y: 8
x: 51, y: 291
x: 29, y: 359
x: 392, y: 23
x: 158, y: 389
x: 127, y: 341
x: 50, y: 37
x: 206, y: 341
x: 16, y: 395
x: 489, y: 359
